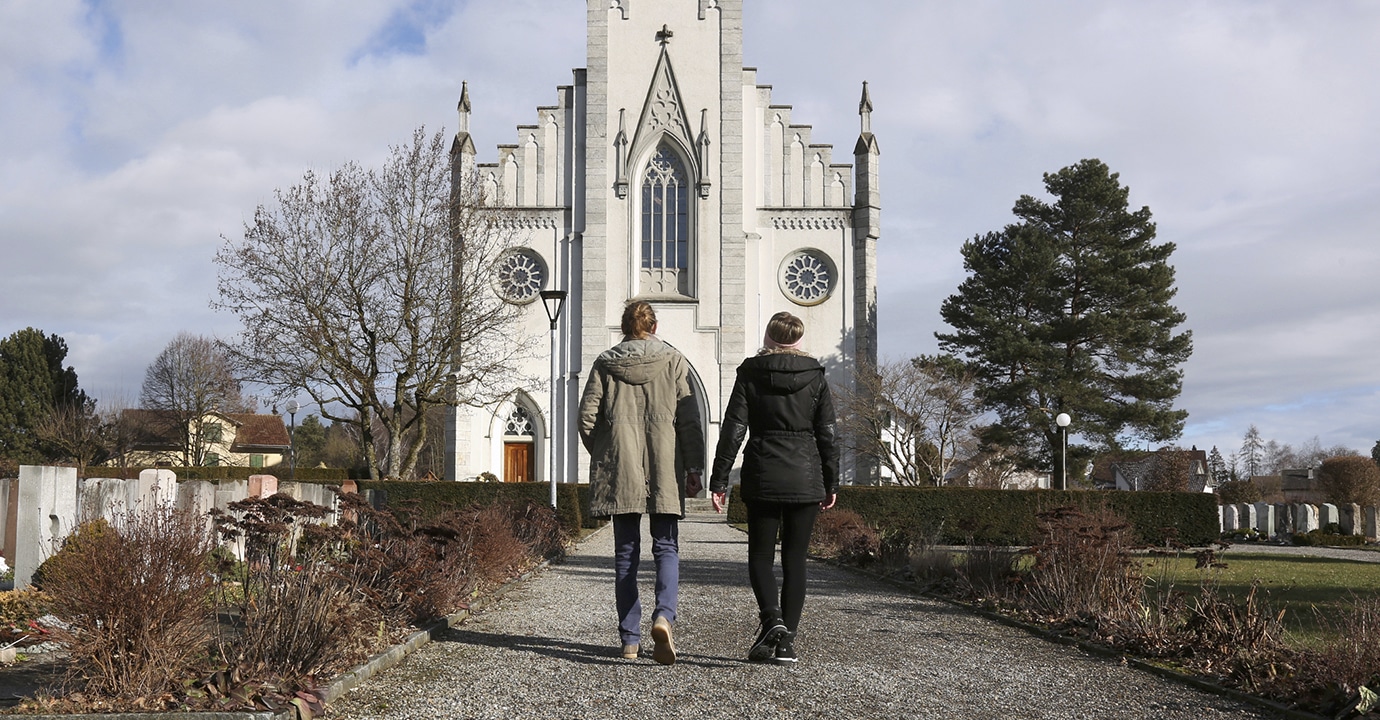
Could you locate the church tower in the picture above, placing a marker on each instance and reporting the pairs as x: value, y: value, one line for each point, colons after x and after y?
x: 666, y: 173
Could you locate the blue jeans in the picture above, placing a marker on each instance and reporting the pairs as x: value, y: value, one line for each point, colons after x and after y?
x: 627, y: 552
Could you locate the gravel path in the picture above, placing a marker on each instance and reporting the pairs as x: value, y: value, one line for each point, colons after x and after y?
x: 1370, y: 556
x: 549, y: 649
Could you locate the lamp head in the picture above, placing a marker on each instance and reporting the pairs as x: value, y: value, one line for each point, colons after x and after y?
x: 1063, y: 420
x: 552, y: 300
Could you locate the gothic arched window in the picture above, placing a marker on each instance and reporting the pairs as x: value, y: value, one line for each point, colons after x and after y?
x: 666, y: 224
x: 519, y: 423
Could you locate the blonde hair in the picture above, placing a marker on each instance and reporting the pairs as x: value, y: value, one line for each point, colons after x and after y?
x: 785, y: 329
x: 639, y: 320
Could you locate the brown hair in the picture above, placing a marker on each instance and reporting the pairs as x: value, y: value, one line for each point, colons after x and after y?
x: 785, y: 328
x: 639, y: 320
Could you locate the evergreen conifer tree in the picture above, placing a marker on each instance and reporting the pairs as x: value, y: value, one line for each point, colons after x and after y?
x: 1069, y: 310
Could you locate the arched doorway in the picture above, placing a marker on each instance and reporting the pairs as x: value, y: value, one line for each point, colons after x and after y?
x: 702, y: 406
x: 519, y: 446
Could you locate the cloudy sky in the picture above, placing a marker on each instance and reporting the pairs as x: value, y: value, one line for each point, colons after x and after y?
x: 134, y: 134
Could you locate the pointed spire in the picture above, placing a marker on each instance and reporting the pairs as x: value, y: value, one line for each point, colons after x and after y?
x: 865, y: 110
x: 464, y: 107
x: 620, y: 158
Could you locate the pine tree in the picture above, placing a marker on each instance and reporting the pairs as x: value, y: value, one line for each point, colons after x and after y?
x: 33, y: 383
x: 1252, y: 455
x: 1217, y: 467
x: 1069, y: 310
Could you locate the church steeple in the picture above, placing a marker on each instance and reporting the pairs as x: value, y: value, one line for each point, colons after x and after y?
x: 865, y: 110
x: 462, y: 148
x: 464, y: 108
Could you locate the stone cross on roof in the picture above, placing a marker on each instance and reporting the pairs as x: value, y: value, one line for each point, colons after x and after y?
x: 663, y: 35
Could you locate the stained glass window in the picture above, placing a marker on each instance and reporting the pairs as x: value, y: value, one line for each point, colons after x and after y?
x: 665, y: 212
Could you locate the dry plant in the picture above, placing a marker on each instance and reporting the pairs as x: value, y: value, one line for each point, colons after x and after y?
x: 133, y: 597
x: 927, y: 560
x: 1082, y: 569
x: 846, y: 537
x: 297, y: 600
x: 986, y: 572
x: 418, y: 572
x: 1350, y: 659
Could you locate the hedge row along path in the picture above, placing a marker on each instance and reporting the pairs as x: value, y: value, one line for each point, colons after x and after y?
x: 549, y: 648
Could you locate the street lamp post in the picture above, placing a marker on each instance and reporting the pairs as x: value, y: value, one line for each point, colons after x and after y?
x: 292, y: 407
x: 1063, y: 420
x: 552, y: 300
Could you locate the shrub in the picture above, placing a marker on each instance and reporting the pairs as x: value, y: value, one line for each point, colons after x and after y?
x: 1350, y: 479
x: 1330, y: 536
x: 298, y: 603
x: 1082, y: 567
x: 133, y: 595
x: 1351, y: 658
x: 18, y: 609
x: 845, y: 536
x: 1235, y: 492
x: 987, y: 571
x: 418, y: 572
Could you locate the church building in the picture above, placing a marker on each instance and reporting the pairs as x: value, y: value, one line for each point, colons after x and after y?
x: 665, y: 172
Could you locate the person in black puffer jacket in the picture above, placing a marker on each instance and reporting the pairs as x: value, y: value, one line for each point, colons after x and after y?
x: 781, y: 403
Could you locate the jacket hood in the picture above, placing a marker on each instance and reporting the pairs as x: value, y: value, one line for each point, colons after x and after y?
x: 636, y: 362
x: 781, y: 373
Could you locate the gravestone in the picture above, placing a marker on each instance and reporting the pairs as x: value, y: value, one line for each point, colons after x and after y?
x: 47, y: 496
x: 1373, y: 522
x: 1284, y: 519
x: 1247, y: 515
x: 1353, y: 523
x: 1229, y: 515
x: 1305, y: 518
x: 1327, y: 514
x: 262, y: 486
x: 1265, y: 519
x: 196, y: 496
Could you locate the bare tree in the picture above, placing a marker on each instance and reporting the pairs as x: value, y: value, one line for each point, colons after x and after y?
x: 370, y: 290
x: 918, y: 417
x: 190, y: 379
x: 74, y: 432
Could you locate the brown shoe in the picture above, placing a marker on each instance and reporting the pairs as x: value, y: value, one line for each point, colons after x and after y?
x: 664, y: 651
x: 630, y: 651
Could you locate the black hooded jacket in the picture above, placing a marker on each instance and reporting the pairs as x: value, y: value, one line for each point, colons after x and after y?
x: 781, y: 403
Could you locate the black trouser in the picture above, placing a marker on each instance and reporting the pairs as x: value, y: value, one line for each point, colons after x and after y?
x: 795, y: 521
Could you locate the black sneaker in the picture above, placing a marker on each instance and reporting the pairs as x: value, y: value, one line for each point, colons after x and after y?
x: 785, y: 650
x: 770, y: 633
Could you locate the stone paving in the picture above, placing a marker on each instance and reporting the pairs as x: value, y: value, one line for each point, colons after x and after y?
x: 549, y: 649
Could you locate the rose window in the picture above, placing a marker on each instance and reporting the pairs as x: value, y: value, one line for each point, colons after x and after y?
x: 521, y: 275
x: 807, y: 277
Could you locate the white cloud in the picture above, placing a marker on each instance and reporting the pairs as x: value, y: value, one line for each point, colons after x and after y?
x: 133, y: 135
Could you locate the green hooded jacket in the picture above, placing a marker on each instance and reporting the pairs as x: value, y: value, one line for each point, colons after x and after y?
x: 641, y: 426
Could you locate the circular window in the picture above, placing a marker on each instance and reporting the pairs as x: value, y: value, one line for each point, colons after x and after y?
x: 521, y: 275
x: 807, y: 277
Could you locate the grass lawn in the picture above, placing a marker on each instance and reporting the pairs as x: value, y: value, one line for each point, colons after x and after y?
x: 1306, y: 587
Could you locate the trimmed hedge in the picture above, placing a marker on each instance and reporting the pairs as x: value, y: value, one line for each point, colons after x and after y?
x: 430, y: 498
x: 1008, y: 517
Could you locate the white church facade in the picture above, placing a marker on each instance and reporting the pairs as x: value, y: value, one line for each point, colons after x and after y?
x: 664, y: 172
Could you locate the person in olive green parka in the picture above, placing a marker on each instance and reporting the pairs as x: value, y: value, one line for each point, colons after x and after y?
x: 640, y: 424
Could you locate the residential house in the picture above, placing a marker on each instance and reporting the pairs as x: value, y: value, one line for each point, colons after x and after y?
x: 236, y: 439
x: 1148, y: 471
